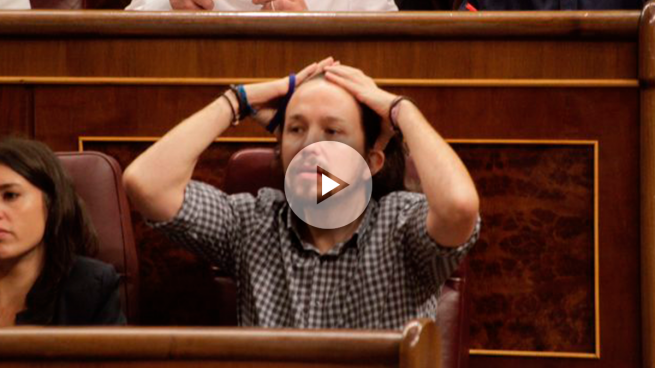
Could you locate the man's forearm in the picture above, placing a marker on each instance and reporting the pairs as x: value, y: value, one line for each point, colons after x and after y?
x: 449, y: 189
x: 156, y: 180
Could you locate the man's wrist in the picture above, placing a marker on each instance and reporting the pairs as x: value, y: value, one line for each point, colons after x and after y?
x: 234, y: 100
x: 398, y: 104
x: 233, y: 104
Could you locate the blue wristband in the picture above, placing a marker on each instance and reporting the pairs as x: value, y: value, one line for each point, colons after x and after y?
x: 278, y: 119
x: 243, y: 102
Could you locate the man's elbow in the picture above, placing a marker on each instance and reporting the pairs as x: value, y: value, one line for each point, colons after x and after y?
x: 467, y: 208
x: 136, y: 189
x: 131, y: 183
x: 453, y: 224
x: 148, y: 197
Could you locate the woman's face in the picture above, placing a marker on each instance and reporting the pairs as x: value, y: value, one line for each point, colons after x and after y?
x: 22, y: 215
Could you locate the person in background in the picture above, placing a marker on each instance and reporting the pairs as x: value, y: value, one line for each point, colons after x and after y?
x: 15, y: 5
x: 45, y: 236
x: 270, y: 5
x: 551, y: 4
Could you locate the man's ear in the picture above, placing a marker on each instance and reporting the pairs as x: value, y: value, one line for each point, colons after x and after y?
x: 375, y: 160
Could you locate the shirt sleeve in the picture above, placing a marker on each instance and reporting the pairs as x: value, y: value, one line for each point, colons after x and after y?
x: 432, y: 262
x: 209, y: 223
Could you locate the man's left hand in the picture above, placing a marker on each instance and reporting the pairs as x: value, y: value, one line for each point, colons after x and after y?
x: 367, y: 92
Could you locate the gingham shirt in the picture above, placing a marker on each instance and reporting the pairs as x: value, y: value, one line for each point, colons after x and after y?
x: 389, y: 272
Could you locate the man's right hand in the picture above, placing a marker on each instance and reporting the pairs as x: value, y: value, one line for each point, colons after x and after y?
x: 261, y: 95
x: 192, y: 4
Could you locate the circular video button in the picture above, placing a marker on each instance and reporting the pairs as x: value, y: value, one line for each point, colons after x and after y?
x: 328, y: 184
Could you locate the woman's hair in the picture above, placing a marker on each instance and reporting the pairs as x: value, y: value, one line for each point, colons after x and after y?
x: 391, y: 177
x: 68, y: 228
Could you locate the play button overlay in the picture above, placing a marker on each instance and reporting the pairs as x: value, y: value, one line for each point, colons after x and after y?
x: 328, y: 185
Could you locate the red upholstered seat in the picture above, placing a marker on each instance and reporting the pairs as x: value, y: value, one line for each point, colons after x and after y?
x: 251, y: 169
x: 97, y: 179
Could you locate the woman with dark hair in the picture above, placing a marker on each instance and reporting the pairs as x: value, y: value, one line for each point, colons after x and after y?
x: 45, y: 234
x: 379, y: 270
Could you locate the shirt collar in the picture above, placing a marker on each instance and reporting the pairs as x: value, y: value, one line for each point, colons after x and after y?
x: 291, y: 225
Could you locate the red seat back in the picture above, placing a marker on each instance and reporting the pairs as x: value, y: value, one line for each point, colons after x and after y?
x: 97, y: 179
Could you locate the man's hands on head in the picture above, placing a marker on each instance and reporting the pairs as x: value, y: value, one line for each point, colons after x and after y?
x: 192, y: 4
x: 263, y: 96
x: 282, y: 5
x: 367, y: 92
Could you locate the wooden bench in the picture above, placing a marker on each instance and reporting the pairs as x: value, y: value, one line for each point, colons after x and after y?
x: 415, y: 347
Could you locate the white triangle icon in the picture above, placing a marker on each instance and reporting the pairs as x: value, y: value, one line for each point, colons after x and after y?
x: 327, y: 184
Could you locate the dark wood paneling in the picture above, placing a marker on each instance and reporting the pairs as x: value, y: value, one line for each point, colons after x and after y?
x: 385, y: 25
x: 16, y: 111
x: 532, y: 271
x: 647, y: 78
x: 65, y: 113
x: 609, y: 116
x: 411, y: 58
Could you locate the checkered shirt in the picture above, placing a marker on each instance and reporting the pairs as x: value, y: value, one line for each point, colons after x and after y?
x: 389, y: 272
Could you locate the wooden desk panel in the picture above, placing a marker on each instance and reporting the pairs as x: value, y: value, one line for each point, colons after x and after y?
x: 230, y: 57
x: 16, y: 111
x: 414, y: 347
